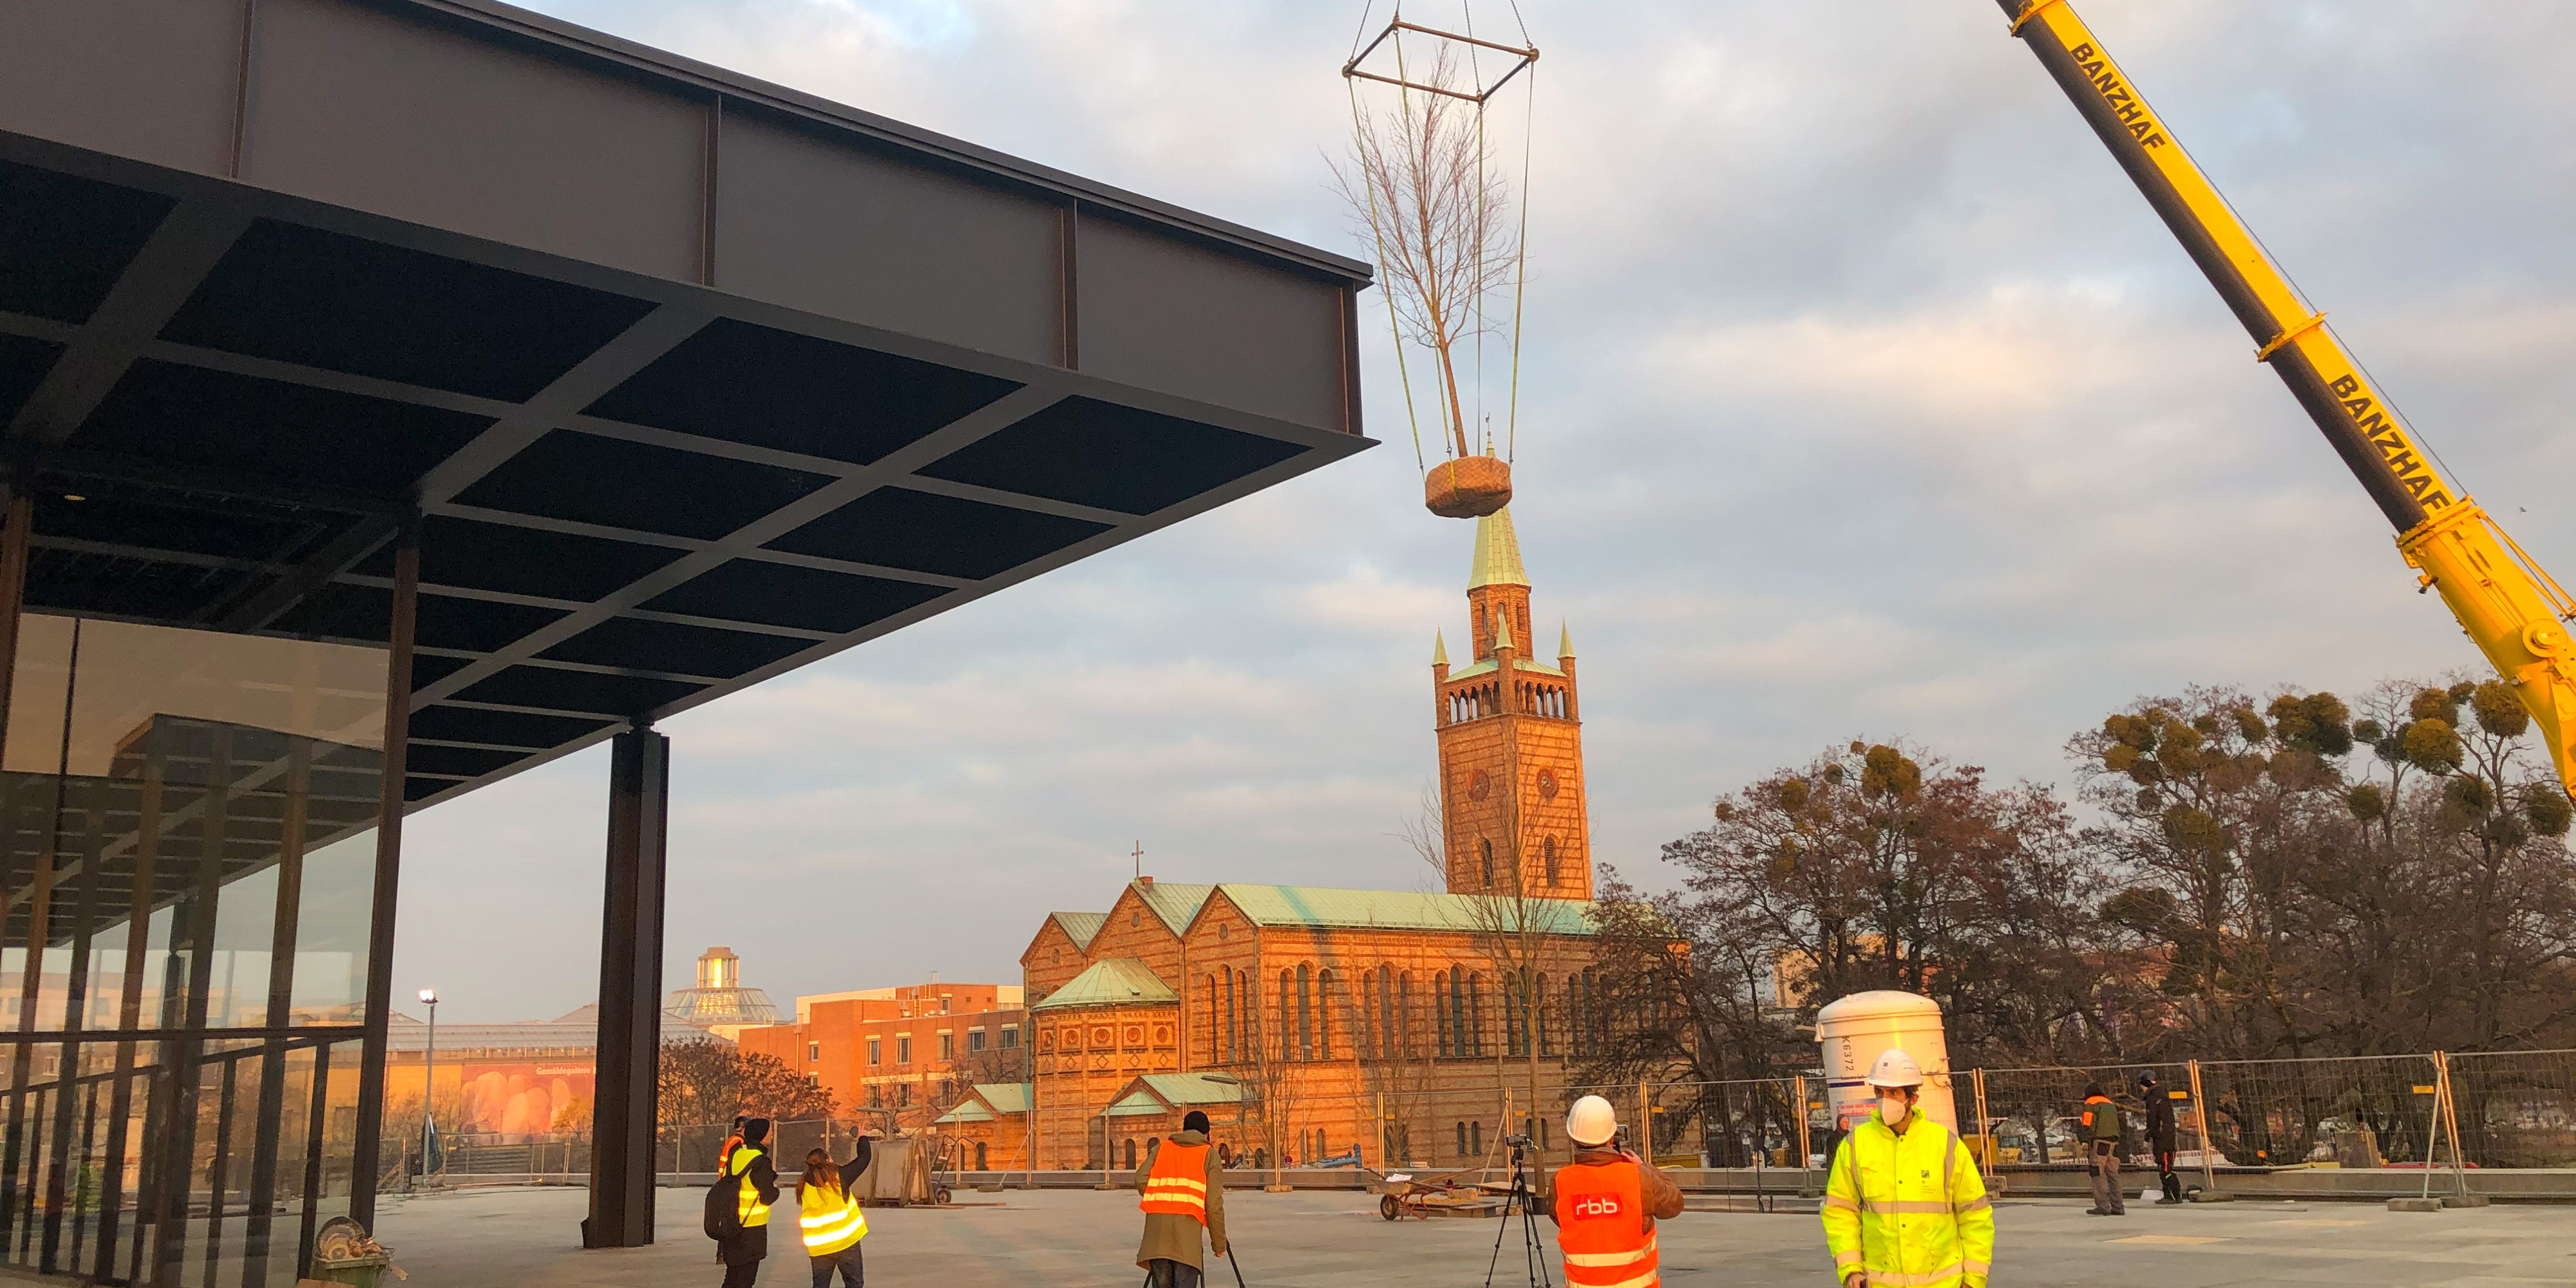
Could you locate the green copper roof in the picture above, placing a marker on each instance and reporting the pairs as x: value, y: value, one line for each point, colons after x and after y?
x: 1004, y: 1097
x: 966, y: 1112
x: 1498, y: 553
x: 1183, y: 1089
x: 1174, y: 902
x: 1118, y: 981
x: 1502, y: 636
x: 1439, y: 649
x: 1564, y: 641
x: 1274, y: 905
x: 1081, y: 926
x: 1473, y: 669
x: 1135, y: 1104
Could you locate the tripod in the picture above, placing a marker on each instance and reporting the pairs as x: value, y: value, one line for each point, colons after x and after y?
x: 1533, y: 1247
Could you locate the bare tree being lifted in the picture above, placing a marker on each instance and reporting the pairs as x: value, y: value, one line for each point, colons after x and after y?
x: 1423, y: 177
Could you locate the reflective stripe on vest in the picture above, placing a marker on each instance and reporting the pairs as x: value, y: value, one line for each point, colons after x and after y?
x: 1177, y: 1183
x: 1601, y: 1225
x: 830, y: 1219
x: 747, y: 1207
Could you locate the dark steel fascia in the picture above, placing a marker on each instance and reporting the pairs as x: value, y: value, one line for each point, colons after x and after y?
x: 568, y: 39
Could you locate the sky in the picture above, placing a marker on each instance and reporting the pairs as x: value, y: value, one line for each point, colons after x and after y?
x: 1861, y: 397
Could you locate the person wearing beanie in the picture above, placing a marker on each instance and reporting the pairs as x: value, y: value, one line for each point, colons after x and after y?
x: 1181, y: 1191
x: 1605, y: 1203
x: 2160, y: 1136
x: 742, y: 1253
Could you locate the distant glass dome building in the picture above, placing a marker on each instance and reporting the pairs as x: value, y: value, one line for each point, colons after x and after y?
x: 720, y: 1004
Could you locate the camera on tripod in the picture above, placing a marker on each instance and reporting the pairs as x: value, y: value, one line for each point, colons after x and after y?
x: 1520, y: 1140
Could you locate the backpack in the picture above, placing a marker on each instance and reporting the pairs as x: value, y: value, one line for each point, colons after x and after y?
x: 724, y: 1207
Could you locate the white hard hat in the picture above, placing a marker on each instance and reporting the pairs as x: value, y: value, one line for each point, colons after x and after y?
x: 1591, y: 1122
x: 1894, y: 1068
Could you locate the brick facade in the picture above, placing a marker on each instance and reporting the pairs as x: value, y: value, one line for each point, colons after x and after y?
x: 911, y: 1050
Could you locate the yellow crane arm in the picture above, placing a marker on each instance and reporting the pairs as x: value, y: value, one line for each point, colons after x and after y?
x: 2503, y: 599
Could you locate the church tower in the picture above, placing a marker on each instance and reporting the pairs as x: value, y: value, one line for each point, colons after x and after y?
x: 1512, y: 813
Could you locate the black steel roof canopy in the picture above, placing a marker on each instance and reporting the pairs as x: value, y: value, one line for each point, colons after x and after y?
x: 689, y: 380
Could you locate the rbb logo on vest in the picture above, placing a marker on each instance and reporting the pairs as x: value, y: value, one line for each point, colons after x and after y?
x: 1597, y: 1205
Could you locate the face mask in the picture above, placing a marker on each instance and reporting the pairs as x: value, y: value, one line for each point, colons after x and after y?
x: 1891, y: 1110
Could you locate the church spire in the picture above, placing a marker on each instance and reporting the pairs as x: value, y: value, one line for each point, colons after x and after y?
x: 1498, y: 553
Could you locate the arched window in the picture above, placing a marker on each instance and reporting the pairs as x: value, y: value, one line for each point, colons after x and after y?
x: 1476, y: 1137
x: 1462, y: 1140
x: 1593, y: 1014
x: 1440, y: 1006
x: 1511, y: 1016
x: 1364, y: 1029
x: 1476, y: 1016
x: 1233, y: 1022
x: 1130, y: 1164
x: 1553, y: 870
x: 1485, y: 855
x: 1546, y: 1034
x: 979, y: 1156
x: 1216, y: 1022
x: 1305, y: 1013
x: 1391, y: 1037
x: 1287, y: 1015
x: 1403, y: 1025
x: 1578, y: 990
x: 1459, y: 1039
x: 1324, y: 1015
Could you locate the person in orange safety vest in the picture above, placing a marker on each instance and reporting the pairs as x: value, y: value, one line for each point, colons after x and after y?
x: 1605, y: 1204
x: 1181, y: 1191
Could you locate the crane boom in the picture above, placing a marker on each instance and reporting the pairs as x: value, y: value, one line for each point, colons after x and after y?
x: 2504, y: 601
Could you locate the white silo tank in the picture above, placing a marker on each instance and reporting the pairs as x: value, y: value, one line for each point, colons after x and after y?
x: 1855, y: 1029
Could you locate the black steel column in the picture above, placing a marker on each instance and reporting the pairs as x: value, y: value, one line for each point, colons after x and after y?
x: 630, y: 994
x: 364, y: 1156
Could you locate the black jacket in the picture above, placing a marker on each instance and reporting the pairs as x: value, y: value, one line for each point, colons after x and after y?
x: 858, y: 1165
x: 2160, y: 1119
x: 753, y: 1243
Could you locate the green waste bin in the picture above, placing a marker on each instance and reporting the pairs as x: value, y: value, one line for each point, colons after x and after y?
x: 366, y: 1270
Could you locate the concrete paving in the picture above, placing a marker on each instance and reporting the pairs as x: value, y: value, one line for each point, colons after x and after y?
x: 1080, y: 1239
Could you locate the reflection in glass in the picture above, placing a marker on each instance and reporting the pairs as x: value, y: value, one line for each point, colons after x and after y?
x: 187, y: 824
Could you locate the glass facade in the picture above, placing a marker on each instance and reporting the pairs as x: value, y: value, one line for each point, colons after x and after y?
x: 186, y: 906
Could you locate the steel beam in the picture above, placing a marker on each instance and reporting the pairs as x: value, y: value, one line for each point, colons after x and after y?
x: 630, y: 994
x: 364, y: 1154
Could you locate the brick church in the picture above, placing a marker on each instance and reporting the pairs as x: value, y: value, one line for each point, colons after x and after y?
x: 1313, y: 1024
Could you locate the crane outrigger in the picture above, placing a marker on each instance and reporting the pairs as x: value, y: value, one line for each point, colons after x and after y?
x: 2515, y: 611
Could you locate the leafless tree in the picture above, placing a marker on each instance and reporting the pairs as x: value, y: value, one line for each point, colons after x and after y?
x: 1515, y: 927
x: 1443, y: 223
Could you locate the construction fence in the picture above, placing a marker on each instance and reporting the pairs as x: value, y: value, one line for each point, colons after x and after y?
x: 2503, y: 1110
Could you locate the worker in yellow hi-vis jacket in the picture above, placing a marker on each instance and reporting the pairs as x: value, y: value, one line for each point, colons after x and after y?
x: 1904, y: 1206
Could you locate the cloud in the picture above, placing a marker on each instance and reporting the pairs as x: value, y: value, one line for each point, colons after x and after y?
x: 1862, y: 396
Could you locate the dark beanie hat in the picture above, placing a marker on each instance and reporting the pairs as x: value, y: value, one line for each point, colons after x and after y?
x: 2147, y: 1079
x: 755, y: 1130
x: 1194, y: 1121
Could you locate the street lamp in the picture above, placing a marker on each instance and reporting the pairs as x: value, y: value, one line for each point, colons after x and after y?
x: 428, y: 1065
